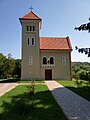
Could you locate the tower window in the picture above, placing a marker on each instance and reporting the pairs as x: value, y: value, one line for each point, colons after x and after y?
x: 33, y: 41
x: 28, y: 41
x: 30, y: 60
x: 27, y: 28
x: 30, y: 28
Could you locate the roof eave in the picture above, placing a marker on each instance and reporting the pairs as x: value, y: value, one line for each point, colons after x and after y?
x: 58, y: 49
x: 40, y: 21
x: 29, y: 19
x: 69, y: 43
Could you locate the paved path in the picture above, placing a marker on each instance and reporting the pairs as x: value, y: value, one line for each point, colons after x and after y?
x: 5, y: 87
x: 74, y: 106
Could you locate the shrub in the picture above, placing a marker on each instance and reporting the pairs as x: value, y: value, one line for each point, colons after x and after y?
x: 32, y: 87
x: 78, y: 82
x: 83, y: 74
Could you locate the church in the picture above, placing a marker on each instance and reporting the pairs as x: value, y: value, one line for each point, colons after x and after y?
x: 43, y: 58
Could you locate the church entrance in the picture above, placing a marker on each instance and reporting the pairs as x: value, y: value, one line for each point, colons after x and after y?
x: 48, y: 74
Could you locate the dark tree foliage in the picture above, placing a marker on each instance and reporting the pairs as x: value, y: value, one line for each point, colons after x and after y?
x: 83, y: 50
x: 84, y: 27
x: 81, y: 70
x: 17, y: 69
x: 9, y: 67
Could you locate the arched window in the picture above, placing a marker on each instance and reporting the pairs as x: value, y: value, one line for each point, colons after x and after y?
x: 51, y: 60
x: 28, y: 41
x: 33, y: 41
x: 63, y: 60
x: 44, y: 60
x: 30, y: 60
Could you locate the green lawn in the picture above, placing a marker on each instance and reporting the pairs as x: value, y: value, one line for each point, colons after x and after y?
x: 29, y: 81
x: 18, y: 104
x: 83, y: 90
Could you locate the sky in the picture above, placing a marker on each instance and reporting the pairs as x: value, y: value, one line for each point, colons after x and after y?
x: 59, y: 18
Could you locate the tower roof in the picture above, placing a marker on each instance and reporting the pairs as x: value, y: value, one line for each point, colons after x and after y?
x: 30, y: 16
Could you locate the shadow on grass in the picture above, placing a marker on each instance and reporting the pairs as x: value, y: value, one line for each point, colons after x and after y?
x: 82, y: 91
x: 10, y: 80
x: 40, y: 106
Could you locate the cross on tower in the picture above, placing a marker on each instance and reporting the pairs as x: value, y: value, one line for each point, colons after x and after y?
x: 31, y: 8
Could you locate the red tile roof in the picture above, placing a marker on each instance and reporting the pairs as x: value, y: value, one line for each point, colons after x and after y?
x: 47, y: 43
x: 30, y: 16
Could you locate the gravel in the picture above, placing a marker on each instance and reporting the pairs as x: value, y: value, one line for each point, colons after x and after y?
x: 73, y: 106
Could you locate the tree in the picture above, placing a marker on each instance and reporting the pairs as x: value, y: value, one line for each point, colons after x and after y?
x: 84, y: 27
x: 9, y: 67
x: 2, y: 59
x: 81, y: 70
x: 17, y: 69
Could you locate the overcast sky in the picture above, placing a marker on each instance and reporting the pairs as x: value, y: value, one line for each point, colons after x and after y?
x: 59, y: 18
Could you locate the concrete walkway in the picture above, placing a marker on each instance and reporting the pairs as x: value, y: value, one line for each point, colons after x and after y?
x: 74, y: 106
x: 6, y: 87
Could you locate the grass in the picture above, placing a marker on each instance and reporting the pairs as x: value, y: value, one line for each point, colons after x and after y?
x: 19, y: 81
x: 18, y: 104
x: 29, y: 81
x: 83, y: 90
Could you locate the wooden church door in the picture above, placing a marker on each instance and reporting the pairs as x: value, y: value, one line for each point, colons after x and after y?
x: 48, y: 74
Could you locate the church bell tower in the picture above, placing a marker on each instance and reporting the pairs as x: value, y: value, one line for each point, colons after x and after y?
x: 30, y: 65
